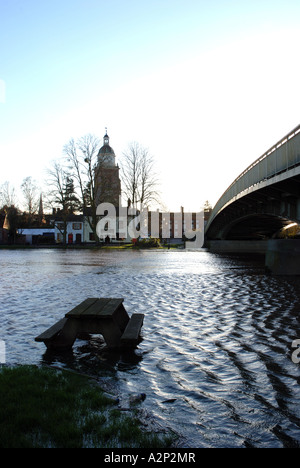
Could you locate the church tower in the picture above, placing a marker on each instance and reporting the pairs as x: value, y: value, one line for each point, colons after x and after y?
x: 107, y: 179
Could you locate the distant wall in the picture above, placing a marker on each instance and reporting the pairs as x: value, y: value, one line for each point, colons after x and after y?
x: 237, y: 246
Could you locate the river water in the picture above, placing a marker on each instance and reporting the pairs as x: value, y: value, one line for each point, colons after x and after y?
x: 216, y: 357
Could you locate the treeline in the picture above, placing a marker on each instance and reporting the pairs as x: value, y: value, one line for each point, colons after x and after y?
x: 71, y: 186
x: 71, y: 183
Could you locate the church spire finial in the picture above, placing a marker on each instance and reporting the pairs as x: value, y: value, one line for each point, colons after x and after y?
x: 106, y: 138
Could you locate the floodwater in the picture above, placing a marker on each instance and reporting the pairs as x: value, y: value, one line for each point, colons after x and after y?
x: 216, y: 357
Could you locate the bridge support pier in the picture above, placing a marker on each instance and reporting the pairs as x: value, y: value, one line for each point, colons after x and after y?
x: 283, y: 257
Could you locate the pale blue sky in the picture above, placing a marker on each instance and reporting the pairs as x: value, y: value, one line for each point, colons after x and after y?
x: 207, y: 86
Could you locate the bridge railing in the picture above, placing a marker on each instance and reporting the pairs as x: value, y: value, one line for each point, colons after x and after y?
x: 281, y: 157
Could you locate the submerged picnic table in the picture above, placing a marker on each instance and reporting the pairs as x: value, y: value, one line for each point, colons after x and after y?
x: 105, y: 316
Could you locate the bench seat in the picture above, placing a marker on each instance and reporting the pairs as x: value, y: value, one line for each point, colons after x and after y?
x: 131, y: 335
x: 52, y: 332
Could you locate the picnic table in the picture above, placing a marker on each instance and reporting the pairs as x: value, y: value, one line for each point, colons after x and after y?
x: 105, y: 316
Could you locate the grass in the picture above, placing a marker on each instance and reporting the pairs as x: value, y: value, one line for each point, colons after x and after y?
x: 43, y: 407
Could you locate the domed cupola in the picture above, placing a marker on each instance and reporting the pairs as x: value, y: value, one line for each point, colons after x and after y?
x: 106, y: 155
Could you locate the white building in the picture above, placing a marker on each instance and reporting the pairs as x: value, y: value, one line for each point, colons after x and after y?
x: 74, y: 229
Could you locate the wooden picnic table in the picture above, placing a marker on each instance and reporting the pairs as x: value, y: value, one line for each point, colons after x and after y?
x: 105, y: 316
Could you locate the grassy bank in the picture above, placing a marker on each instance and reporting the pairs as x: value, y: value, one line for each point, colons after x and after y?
x: 43, y: 407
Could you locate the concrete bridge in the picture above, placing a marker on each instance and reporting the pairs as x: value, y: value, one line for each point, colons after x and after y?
x: 261, y: 201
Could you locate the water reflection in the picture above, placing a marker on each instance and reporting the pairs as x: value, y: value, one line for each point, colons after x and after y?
x: 92, y: 357
x: 215, y: 360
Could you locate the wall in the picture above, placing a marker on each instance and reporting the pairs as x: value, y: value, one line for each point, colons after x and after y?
x: 237, y: 246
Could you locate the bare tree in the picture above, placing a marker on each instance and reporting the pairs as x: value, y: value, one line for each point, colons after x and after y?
x: 82, y: 160
x: 62, y: 195
x: 8, y: 207
x: 139, y: 179
x: 31, y: 196
x: 148, y: 183
x: 7, y: 195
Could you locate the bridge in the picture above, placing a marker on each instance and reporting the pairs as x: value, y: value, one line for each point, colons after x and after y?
x: 264, y: 198
x: 261, y: 201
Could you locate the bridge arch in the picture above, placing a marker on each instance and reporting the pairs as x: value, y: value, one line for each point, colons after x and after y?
x: 262, y: 199
x: 256, y: 226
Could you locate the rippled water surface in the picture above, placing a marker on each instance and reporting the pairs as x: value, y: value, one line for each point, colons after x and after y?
x: 215, y: 360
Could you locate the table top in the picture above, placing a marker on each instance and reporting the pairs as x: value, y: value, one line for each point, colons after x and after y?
x: 94, y: 307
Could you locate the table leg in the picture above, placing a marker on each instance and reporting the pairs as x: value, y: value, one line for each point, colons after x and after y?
x: 65, y: 339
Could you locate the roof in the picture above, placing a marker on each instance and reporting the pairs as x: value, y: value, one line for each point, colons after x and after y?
x: 70, y: 217
x: 106, y: 149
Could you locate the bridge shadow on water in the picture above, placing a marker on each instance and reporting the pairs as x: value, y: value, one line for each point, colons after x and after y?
x: 253, y: 263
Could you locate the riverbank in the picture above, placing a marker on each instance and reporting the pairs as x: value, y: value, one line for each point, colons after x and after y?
x: 89, y: 247
x: 43, y: 407
x: 65, y: 247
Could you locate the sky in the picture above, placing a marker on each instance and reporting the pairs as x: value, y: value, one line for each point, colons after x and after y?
x: 206, y: 86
